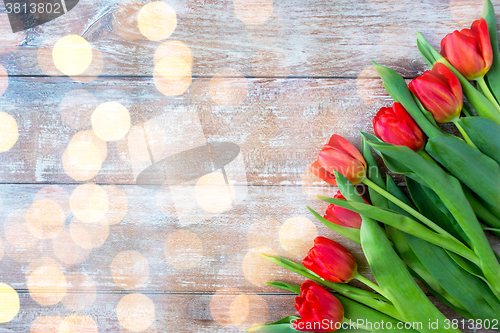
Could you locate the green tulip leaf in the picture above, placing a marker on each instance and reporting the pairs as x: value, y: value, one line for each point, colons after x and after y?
x: 476, y: 170
x: 429, y: 204
x: 451, y: 194
x: 349, y: 233
x: 374, y: 174
x: 493, y: 75
x: 387, y: 268
x: 484, y: 133
x: 281, y: 326
x: 286, y: 286
x: 484, y: 211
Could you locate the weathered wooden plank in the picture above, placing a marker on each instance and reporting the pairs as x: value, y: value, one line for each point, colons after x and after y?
x: 279, y: 125
x: 177, y: 240
x: 298, y: 38
x: 228, y: 311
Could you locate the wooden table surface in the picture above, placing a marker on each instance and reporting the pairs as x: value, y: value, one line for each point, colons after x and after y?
x: 257, y: 86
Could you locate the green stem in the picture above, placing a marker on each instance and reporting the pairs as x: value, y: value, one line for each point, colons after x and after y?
x: 487, y: 92
x: 407, y: 208
x: 464, y: 134
x: 369, y: 283
x: 364, y: 297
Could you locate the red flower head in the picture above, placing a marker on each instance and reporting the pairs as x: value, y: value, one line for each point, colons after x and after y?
x: 340, y: 155
x: 440, y: 93
x: 395, y: 126
x: 469, y: 50
x: 331, y: 261
x: 342, y: 216
x: 320, y: 310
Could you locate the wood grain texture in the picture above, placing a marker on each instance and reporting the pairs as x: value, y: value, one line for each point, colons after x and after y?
x: 278, y: 90
x: 319, y: 38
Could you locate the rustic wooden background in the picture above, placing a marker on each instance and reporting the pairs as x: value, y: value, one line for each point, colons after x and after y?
x: 85, y: 246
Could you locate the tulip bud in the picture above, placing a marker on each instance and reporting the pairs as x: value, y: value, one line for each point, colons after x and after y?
x: 469, y: 50
x: 331, y: 261
x: 319, y: 310
x: 340, y: 155
x: 395, y: 126
x: 440, y: 93
x: 342, y: 216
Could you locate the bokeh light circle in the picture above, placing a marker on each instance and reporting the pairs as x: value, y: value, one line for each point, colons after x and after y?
x: 72, y: 55
x: 172, y: 76
x: 135, y: 312
x: 256, y: 269
x: 253, y: 11
x: 83, y: 158
x: 9, y: 303
x: 110, y: 121
x: 129, y: 269
x: 45, y: 219
x: 78, y: 324
x: 67, y: 251
x: 46, y: 324
x: 213, y: 194
x: 89, y: 203
x: 8, y: 132
x: 157, y: 20
x: 183, y: 249
x: 47, y: 285
x: 297, y: 235
x: 228, y: 88
x: 81, y: 292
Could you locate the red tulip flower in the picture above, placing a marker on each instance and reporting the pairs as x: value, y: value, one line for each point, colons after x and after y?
x: 340, y: 155
x: 469, y: 50
x: 440, y: 93
x: 395, y: 126
x: 320, y: 310
x: 342, y: 216
x: 331, y: 261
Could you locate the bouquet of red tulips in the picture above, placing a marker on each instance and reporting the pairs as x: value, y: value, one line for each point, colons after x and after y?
x: 436, y: 233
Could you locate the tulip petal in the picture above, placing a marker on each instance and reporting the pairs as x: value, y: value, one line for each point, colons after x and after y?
x: 339, y: 142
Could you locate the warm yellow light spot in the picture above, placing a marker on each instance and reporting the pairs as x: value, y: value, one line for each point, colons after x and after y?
x: 264, y: 232
x: 46, y: 324
x: 78, y: 324
x: 124, y: 20
x: 253, y: 11
x: 297, y: 235
x: 135, y: 312
x: 110, y: 121
x: 228, y: 88
x: 89, y: 203
x: 56, y: 194
x: 213, y: 194
x: 88, y: 235
x: 4, y: 80
x: 157, y: 20
x: 172, y: 76
x: 45, y: 219
x: 83, y: 158
x: 256, y: 269
x: 9, y: 303
x: 47, y: 285
x: 94, y: 70
x: 239, y: 309
x: 173, y: 68
x: 271, y: 62
x: 248, y: 310
x: 183, y: 249
x: 81, y: 291
x: 17, y: 232
x: 173, y: 49
x: 220, y: 305
x: 41, y: 262
x: 72, y: 55
x: 8, y: 132
x: 67, y: 251
x: 118, y: 206
x: 129, y: 269
x: 82, y: 161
